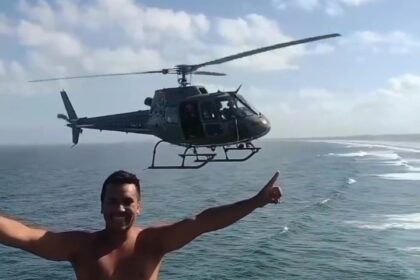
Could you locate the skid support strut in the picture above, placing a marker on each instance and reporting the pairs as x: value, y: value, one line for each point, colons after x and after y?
x: 203, y: 158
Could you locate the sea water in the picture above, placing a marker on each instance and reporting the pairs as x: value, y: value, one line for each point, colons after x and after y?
x: 350, y: 208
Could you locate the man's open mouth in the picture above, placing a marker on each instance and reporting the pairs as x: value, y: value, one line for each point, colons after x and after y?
x: 120, y: 218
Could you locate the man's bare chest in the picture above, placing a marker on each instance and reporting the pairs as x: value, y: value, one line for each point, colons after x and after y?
x: 118, y: 264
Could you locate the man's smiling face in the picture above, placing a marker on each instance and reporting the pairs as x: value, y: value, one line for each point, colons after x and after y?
x: 120, y: 206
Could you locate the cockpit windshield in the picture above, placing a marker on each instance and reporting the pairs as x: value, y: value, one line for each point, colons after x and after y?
x: 234, y: 107
x: 246, y: 104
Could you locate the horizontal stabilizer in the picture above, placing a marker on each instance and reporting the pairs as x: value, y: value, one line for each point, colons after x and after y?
x: 63, y: 117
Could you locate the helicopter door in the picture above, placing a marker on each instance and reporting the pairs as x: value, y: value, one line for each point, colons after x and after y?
x: 210, y: 119
x: 190, y: 120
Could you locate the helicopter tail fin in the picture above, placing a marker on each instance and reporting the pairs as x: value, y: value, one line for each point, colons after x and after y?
x: 69, y: 108
x: 71, y: 118
x: 75, y: 133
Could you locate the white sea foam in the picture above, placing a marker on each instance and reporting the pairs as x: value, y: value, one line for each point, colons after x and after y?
x: 356, y: 154
x: 404, y: 163
x: 411, y: 249
x: 394, y: 148
x: 381, y: 155
x: 401, y: 176
x: 414, y: 161
x: 412, y: 147
x: 351, y: 181
x: 385, y: 226
x: 385, y: 152
x: 396, y: 162
x: 325, y: 200
x: 405, y: 221
x: 384, y: 155
x: 285, y: 229
x: 413, y: 169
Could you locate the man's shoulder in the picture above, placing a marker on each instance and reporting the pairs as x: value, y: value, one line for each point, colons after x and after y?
x: 80, y: 236
x: 152, y: 234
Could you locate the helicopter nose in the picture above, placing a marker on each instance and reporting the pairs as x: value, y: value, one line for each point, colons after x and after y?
x: 265, y: 125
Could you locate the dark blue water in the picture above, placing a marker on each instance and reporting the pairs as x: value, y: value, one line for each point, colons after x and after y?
x: 349, y: 211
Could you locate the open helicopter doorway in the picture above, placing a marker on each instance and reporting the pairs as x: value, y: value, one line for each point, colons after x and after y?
x: 210, y: 116
x: 190, y: 120
x: 201, y: 119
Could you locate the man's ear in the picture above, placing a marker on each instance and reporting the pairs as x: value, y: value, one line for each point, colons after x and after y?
x: 139, y: 208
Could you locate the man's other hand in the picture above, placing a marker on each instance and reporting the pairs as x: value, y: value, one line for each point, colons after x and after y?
x: 271, y: 192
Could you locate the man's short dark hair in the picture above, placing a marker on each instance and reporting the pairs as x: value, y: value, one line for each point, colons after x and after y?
x: 120, y: 177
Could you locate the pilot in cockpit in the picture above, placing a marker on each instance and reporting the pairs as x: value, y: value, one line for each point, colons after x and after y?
x: 230, y: 111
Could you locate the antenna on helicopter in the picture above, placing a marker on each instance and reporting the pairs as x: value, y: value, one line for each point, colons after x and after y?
x: 182, y: 70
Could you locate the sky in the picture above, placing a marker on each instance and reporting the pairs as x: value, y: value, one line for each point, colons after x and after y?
x: 365, y: 82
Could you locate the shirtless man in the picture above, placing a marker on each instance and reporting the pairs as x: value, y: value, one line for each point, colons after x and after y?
x: 123, y: 250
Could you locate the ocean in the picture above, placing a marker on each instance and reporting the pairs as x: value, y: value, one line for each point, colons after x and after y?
x: 350, y: 208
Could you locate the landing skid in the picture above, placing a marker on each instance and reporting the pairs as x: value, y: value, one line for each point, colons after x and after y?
x: 203, y: 158
x: 240, y: 147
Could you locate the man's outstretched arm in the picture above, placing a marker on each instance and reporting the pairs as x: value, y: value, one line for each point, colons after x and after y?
x: 174, y: 236
x: 43, y: 243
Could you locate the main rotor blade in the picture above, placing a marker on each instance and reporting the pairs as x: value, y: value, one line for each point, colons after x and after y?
x: 163, y: 71
x: 265, y: 49
x: 208, y: 73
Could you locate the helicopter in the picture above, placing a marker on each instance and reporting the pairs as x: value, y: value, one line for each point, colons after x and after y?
x: 188, y: 115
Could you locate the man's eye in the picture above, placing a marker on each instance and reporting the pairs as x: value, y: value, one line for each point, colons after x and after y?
x: 127, y: 201
x: 111, y: 202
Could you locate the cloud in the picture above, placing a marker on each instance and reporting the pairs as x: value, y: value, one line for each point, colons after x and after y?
x: 311, y: 112
x: 40, y: 12
x: 57, y: 38
x: 61, y: 43
x: 143, y: 25
x: 333, y: 9
x: 13, y: 78
x: 252, y: 28
x: 330, y: 7
x: 394, y: 42
x: 2, y: 69
x: 356, y: 3
x: 5, y: 26
x: 250, y: 32
x: 122, y: 59
x: 279, y: 4
x: 301, y: 4
x: 308, y: 4
x: 407, y: 84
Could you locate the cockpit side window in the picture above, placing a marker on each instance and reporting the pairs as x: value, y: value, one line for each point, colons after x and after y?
x: 227, y: 108
x: 171, y: 115
x: 232, y: 107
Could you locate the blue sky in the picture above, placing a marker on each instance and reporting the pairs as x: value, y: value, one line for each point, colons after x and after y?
x: 365, y: 82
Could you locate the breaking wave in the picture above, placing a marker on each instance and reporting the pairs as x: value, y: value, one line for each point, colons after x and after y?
x: 405, y: 221
x: 401, y: 176
x: 387, y: 155
x: 356, y: 154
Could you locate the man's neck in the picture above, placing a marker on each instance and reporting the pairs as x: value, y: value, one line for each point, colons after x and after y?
x: 116, y: 238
